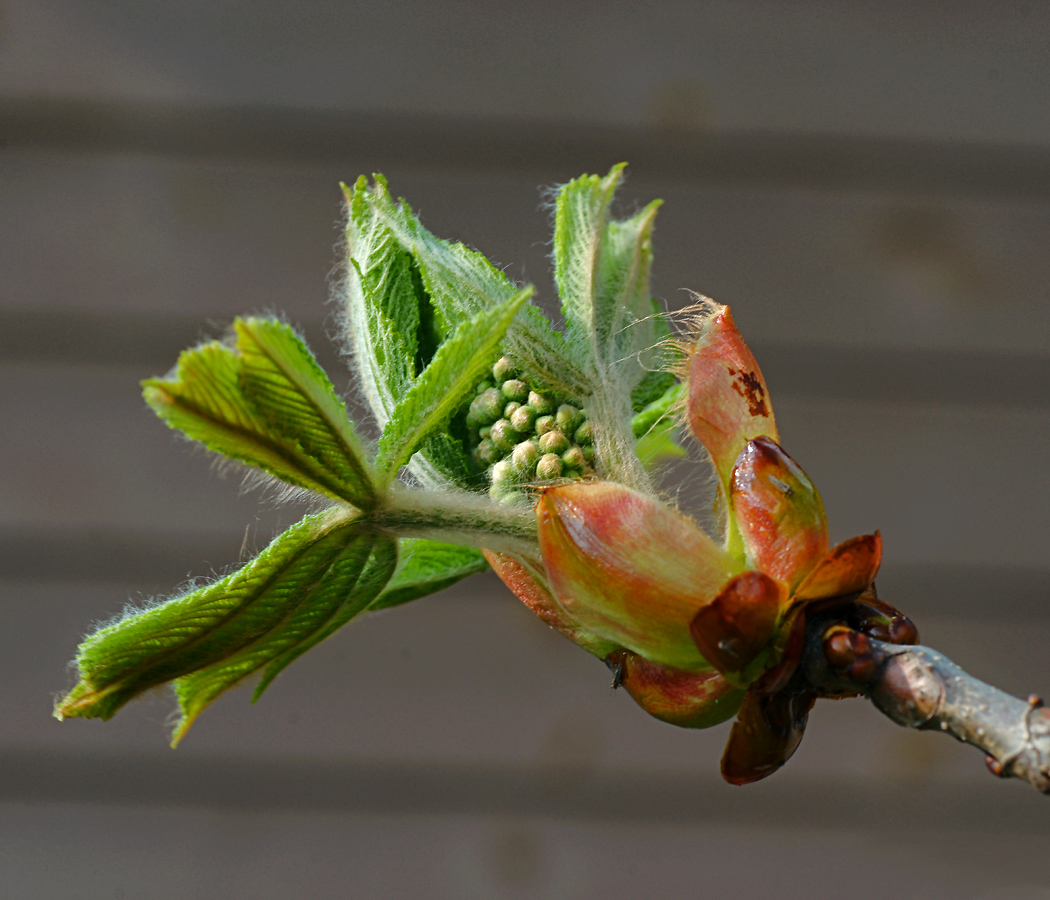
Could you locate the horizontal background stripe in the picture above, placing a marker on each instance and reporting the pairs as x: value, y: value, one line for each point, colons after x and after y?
x: 547, y: 150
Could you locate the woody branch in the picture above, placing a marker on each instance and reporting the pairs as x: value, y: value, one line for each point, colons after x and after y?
x: 919, y: 687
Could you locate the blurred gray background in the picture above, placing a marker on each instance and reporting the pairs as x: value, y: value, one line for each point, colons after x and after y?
x: 867, y: 184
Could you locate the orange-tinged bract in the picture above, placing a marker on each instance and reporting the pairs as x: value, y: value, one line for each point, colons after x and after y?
x: 849, y: 568
x: 536, y: 597
x: 778, y: 512
x: 629, y: 568
x: 727, y: 403
x: 685, y: 699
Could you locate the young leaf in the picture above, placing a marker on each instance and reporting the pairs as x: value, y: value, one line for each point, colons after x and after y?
x: 660, y: 408
x: 602, y: 269
x: 623, y: 307
x: 445, y: 384
x: 427, y: 567
x: 212, y: 623
x: 383, y: 296
x: 346, y: 587
x: 651, y: 388
x: 281, y: 378
x: 461, y: 282
x: 655, y: 428
x: 205, y: 400
x: 580, y: 217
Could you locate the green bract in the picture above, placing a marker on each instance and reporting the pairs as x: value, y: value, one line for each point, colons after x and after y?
x: 479, y: 398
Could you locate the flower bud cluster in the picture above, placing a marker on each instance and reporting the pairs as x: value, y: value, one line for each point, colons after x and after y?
x: 521, y: 436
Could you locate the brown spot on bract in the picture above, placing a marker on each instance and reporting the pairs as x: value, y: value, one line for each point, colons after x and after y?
x: 749, y: 386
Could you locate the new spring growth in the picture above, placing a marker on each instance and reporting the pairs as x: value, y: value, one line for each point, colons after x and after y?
x: 500, y: 435
x: 506, y: 441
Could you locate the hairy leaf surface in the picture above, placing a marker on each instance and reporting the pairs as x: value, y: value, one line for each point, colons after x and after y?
x: 602, y: 271
x: 342, y: 589
x: 461, y: 282
x: 210, y: 624
x: 382, y: 302
x: 230, y: 404
x: 446, y: 383
x: 292, y: 393
x: 581, y: 214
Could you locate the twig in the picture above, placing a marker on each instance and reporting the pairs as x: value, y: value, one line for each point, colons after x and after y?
x: 919, y: 687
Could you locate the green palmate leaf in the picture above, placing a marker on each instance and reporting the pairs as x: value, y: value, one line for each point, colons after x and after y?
x: 291, y: 391
x: 581, y: 214
x: 659, y: 409
x: 461, y: 282
x: 651, y: 388
x: 384, y: 294
x: 623, y: 321
x: 445, y: 384
x: 426, y: 567
x: 301, y: 442
x: 210, y: 624
x: 602, y: 270
x: 655, y: 428
x: 345, y: 587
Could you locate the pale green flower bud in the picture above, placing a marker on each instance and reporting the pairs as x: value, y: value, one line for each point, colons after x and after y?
x: 522, y: 418
x: 504, y: 475
x: 554, y: 442
x: 573, y: 459
x: 487, y: 406
x: 513, y: 389
x: 566, y: 417
x: 511, y: 408
x: 549, y: 467
x: 543, y: 405
x: 525, y: 456
x: 506, y: 481
x: 544, y: 424
x: 502, y: 370
x: 487, y: 454
x: 503, y: 435
x: 585, y: 433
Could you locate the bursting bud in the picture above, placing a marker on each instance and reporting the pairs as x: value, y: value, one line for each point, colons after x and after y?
x: 630, y: 569
x: 685, y: 699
